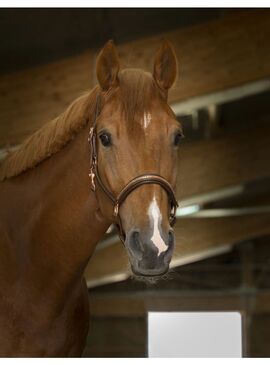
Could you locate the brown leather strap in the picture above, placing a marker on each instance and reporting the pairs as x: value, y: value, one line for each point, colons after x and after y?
x: 132, y: 185
x: 136, y: 183
x: 146, y: 179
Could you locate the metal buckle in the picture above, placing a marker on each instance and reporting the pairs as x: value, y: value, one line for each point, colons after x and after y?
x: 91, y: 131
x: 116, y: 209
x: 92, y: 177
x: 172, y: 217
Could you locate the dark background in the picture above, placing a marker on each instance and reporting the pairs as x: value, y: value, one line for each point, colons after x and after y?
x: 30, y: 37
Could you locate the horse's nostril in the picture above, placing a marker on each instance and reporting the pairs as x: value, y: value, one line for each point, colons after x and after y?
x: 134, y: 244
x: 168, y: 253
x: 171, y: 240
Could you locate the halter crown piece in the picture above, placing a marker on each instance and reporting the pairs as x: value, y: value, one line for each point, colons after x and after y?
x: 130, y: 186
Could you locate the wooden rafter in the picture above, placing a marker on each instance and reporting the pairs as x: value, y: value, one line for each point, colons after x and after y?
x: 213, y: 56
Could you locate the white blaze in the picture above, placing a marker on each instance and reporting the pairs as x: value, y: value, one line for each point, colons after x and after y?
x: 156, y: 217
x: 146, y: 120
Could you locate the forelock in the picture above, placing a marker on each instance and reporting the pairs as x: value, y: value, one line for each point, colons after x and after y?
x: 137, y: 90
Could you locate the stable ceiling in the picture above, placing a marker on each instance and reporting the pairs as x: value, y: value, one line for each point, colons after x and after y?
x: 31, y: 37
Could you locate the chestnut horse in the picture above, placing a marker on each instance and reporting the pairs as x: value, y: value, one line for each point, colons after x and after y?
x: 53, y: 214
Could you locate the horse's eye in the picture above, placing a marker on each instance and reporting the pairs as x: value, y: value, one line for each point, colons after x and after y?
x: 177, y: 139
x: 105, y: 139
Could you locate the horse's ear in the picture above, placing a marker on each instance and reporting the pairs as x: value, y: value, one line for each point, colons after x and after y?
x: 107, y: 66
x: 165, y: 66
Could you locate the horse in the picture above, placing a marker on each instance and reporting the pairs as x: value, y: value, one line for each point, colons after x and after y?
x: 110, y: 157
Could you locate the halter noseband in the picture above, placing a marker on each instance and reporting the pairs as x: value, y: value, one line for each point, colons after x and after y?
x: 130, y: 186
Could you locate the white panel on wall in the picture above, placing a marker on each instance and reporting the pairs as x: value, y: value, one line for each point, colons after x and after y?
x: 194, y: 334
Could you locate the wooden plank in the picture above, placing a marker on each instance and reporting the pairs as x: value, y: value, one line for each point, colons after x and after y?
x: 213, y: 56
x: 32, y: 97
x: 231, y: 160
x: 190, y: 105
x: 194, y: 239
x: 137, y: 304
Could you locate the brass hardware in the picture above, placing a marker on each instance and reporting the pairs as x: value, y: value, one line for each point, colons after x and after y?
x: 116, y: 209
x: 92, y: 177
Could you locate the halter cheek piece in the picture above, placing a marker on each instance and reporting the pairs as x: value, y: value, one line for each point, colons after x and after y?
x: 130, y: 186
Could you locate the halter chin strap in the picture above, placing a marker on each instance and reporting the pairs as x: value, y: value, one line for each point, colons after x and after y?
x: 129, y: 187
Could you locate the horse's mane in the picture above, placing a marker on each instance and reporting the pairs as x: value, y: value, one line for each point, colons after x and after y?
x: 50, y: 138
x: 136, y: 90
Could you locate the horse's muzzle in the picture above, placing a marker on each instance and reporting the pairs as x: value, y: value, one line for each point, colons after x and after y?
x: 145, y: 258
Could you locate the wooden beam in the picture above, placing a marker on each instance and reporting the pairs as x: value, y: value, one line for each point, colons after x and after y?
x: 33, y: 97
x: 230, y: 212
x: 235, y: 159
x: 214, y: 56
x: 137, y: 304
x: 191, y: 105
x: 194, y: 240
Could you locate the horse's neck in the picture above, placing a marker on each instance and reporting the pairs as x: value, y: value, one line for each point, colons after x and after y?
x: 53, y: 216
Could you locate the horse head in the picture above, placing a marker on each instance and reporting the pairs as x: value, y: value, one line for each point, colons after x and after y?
x: 137, y: 135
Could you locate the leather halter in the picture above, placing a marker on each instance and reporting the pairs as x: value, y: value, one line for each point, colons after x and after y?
x: 130, y: 186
